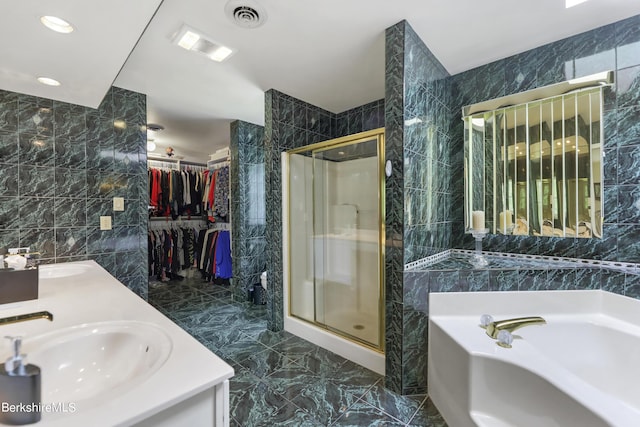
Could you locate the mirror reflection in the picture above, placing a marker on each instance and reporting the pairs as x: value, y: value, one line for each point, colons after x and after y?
x: 536, y: 168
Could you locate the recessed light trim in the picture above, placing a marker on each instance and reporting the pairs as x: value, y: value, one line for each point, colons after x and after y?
x: 56, y: 24
x: 48, y: 81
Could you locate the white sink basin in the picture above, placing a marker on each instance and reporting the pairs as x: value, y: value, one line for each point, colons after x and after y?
x: 55, y: 271
x: 96, y: 360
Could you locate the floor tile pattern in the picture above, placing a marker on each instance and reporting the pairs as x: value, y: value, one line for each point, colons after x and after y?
x: 280, y: 379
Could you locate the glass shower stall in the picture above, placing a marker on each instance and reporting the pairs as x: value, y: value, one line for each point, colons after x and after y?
x: 335, y: 236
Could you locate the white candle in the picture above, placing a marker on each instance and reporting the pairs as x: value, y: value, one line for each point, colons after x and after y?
x: 477, y: 220
x: 505, y: 220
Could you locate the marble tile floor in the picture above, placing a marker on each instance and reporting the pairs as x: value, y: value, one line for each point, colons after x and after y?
x: 280, y: 379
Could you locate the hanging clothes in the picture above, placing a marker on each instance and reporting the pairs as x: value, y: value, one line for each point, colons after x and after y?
x: 223, y: 267
x: 174, y: 193
x: 221, y: 197
x: 215, y: 255
x: 216, y: 194
x: 174, y: 251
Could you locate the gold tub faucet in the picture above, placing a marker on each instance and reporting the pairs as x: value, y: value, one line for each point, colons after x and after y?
x: 511, y: 325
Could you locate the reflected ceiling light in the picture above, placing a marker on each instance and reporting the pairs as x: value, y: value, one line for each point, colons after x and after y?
x: 48, y: 81
x: 120, y: 124
x: 413, y: 121
x: 195, y: 41
x: 56, y: 24
x: 571, y: 3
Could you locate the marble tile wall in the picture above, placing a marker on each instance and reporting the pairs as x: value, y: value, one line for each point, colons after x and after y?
x: 525, y: 278
x: 394, y: 203
x: 292, y: 123
x: 289, y: 123
x: 248, y: 205
x: 418, y: 194
x: 617, y: 47
x: 612, y: 47
x: 426, y: 141
x: 60, y: 167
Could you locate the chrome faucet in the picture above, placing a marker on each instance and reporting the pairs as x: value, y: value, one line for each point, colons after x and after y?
x: 25, y: 317
x: 510, y: 325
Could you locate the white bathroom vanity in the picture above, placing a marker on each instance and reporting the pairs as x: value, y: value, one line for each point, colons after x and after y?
x: 110, y: 359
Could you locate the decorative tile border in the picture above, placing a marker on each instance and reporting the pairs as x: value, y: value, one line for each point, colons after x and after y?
x: 427, y: 261
x: 611, y: 265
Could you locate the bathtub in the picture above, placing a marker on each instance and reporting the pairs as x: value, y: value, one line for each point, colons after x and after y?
x: 580, y: 369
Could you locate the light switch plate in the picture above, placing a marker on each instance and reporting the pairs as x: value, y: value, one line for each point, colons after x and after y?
x: 105, y: 223
x: 118, y: 203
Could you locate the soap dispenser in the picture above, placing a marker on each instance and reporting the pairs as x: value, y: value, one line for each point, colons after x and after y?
x: 20, y: 389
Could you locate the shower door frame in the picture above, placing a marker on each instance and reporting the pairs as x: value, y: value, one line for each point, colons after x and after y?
x: 352, y: 139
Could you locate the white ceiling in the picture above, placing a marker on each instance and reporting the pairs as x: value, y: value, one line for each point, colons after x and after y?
x: 327, y: 52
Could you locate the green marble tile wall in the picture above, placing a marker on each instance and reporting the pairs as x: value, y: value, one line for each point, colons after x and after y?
x: 60, y: 167
x: 292, y: 123
x: 248, y: 205
x: 418, y: 194
x: 612, y: 47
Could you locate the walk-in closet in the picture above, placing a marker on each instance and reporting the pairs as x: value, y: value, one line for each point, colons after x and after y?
x: 189, y: 234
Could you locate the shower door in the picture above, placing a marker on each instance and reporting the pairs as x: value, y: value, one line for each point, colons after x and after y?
x: 335, y: 236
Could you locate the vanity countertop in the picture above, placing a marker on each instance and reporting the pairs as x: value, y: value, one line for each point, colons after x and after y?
x: 90, y: 294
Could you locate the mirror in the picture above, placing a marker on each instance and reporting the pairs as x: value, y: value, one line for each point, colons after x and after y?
x: 536, y: 168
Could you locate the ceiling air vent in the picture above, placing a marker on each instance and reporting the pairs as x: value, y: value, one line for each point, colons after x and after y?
x: 245, y: 13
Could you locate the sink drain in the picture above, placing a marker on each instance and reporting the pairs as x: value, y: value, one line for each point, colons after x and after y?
x: 358, y: 327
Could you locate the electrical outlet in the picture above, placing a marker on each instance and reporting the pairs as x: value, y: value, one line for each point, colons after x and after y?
x: 105, y: 223
x: 118, y: 203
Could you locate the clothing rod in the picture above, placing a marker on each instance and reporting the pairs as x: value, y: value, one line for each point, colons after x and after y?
x: 218, y: 162
x: 177, y: 161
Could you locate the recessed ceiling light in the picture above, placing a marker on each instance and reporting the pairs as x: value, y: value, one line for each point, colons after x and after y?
x: 188, y: 40
x: 151, y: 146
x: 221, y: 53
x: 48, y: 81
x: 56, y: 24
x: 195, y: 41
